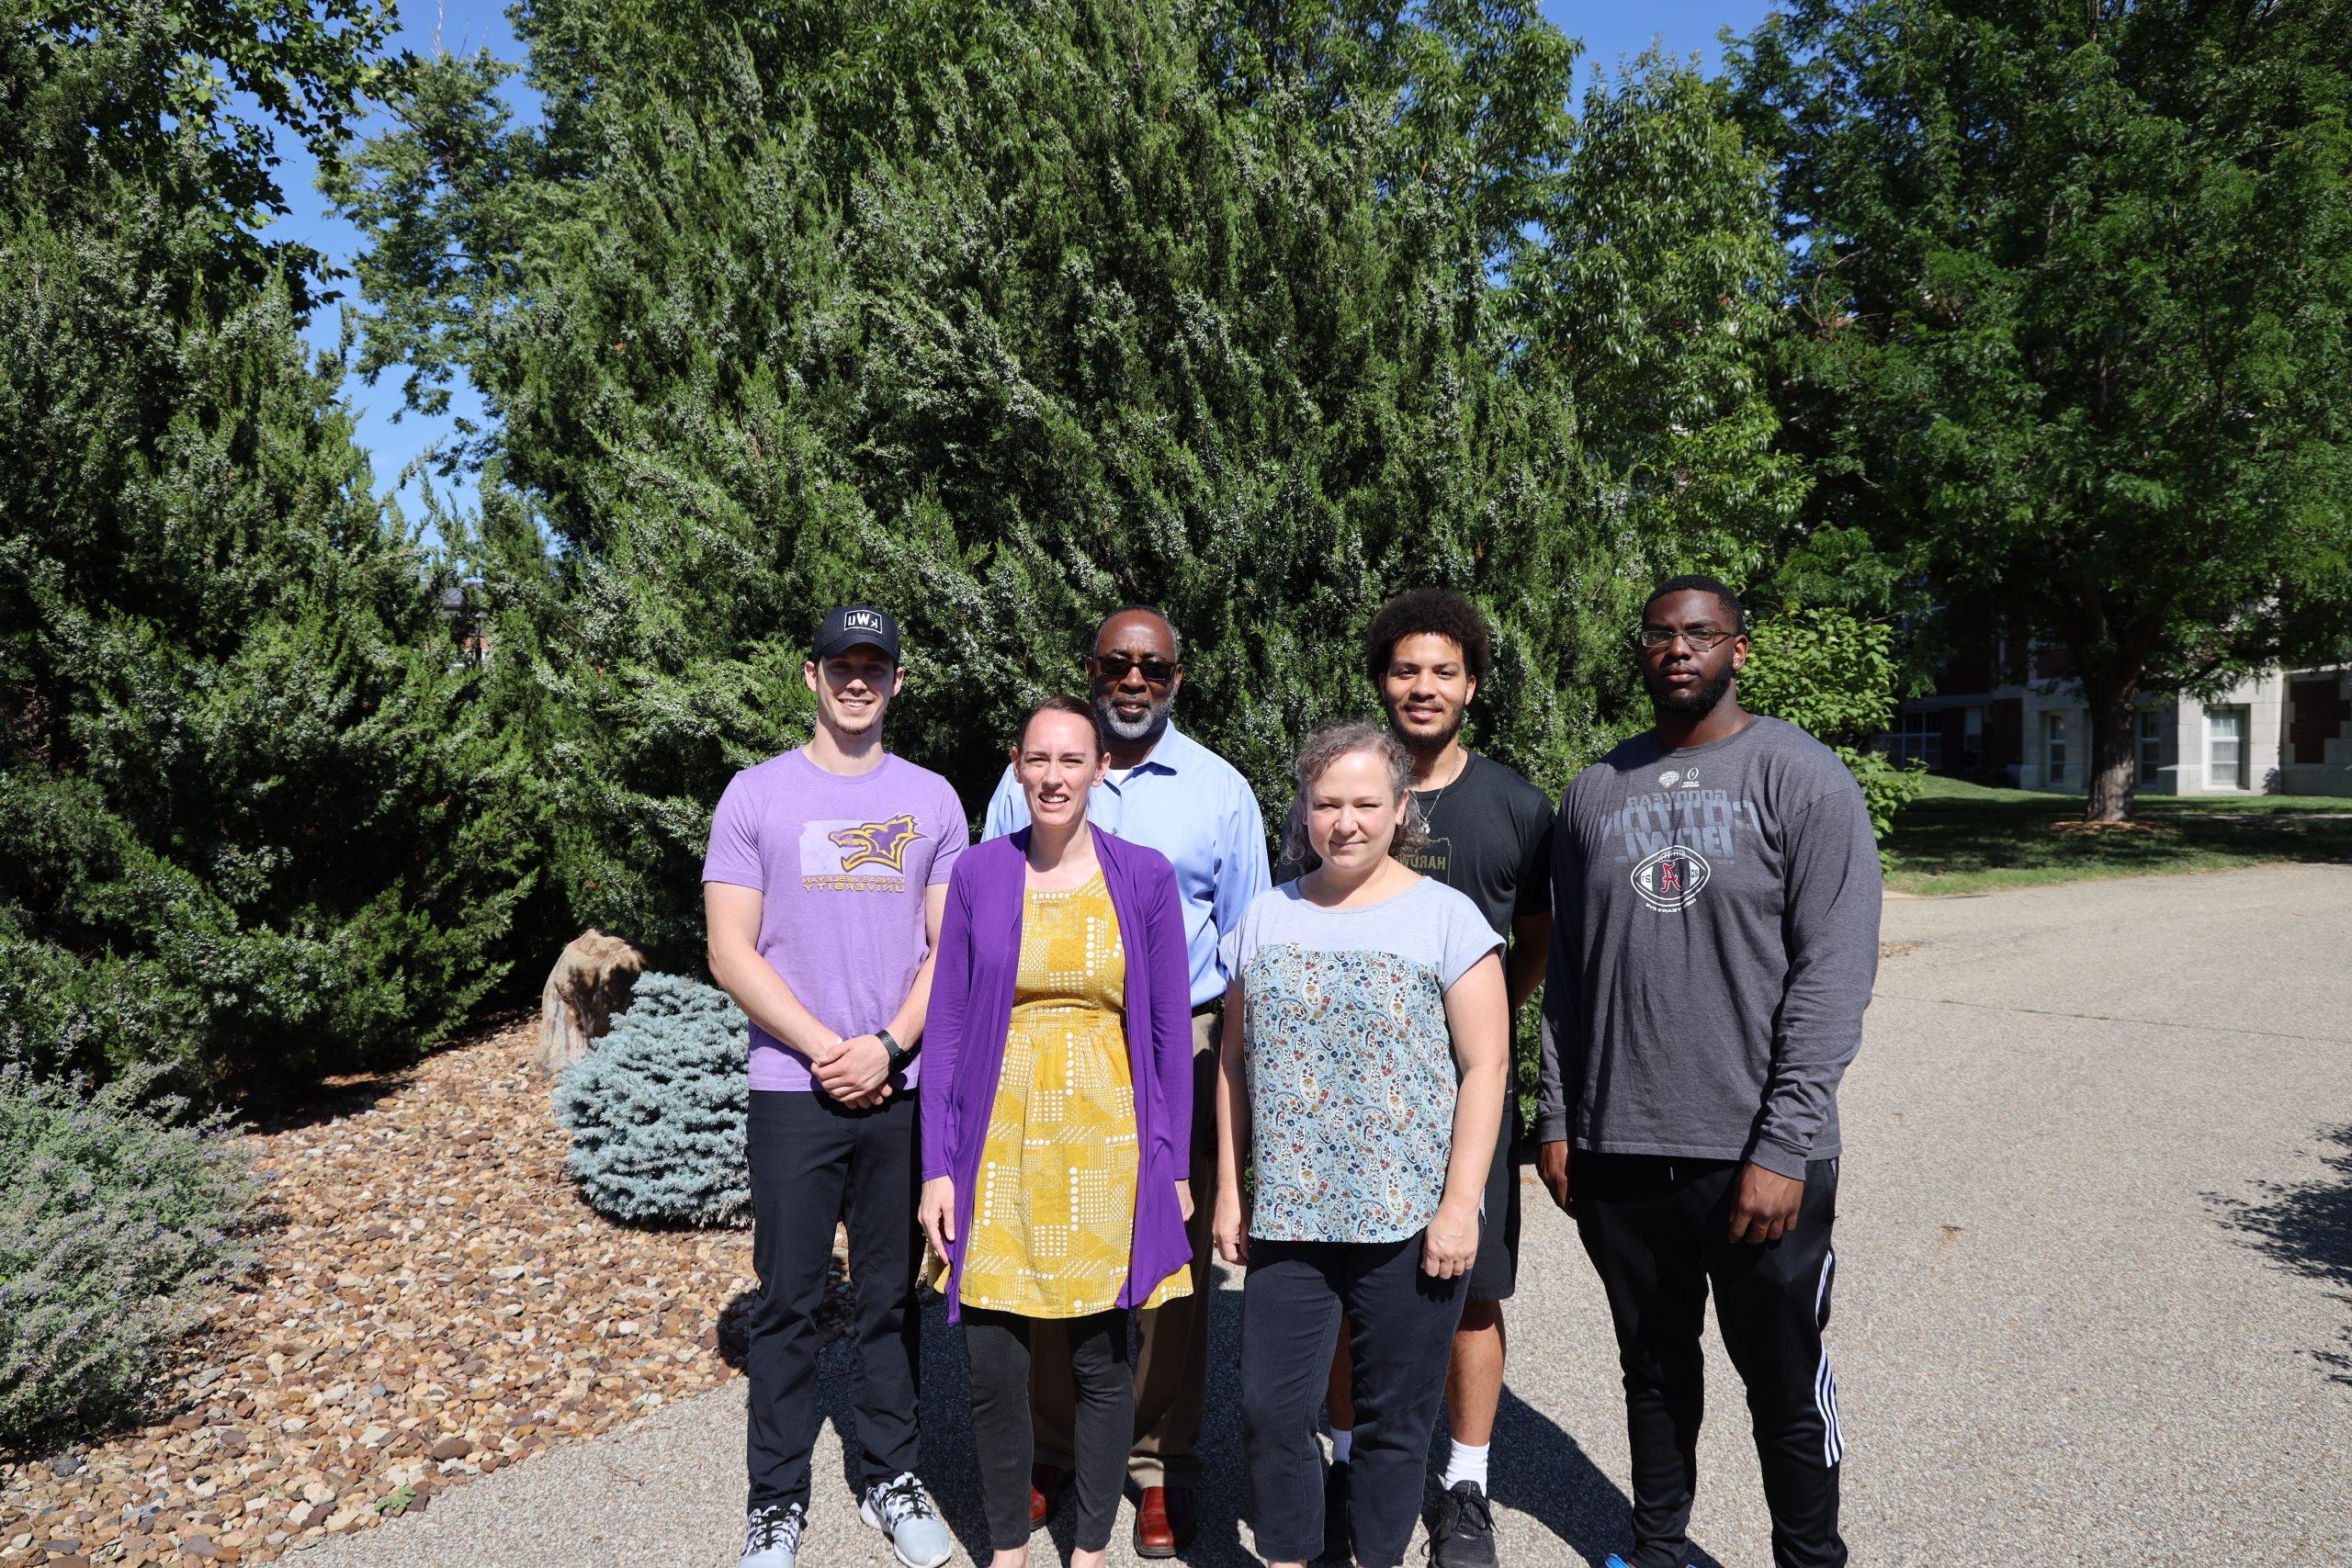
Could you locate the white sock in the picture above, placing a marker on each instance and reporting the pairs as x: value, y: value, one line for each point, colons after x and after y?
x: 1342, y: 1439
x: 1467, y: 1463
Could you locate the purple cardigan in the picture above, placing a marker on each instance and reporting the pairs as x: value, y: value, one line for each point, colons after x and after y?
x: 971, y: 1011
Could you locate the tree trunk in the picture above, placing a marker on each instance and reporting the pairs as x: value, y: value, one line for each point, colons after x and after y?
x: 2114, y: 773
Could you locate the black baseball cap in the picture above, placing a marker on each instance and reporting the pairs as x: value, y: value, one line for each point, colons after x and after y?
x: 855, y: 625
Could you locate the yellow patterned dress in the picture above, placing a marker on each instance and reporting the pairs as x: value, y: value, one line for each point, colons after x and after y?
x: 1054, y: 1218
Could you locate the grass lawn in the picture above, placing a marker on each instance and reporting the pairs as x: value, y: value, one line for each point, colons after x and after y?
x: 1967, y: 837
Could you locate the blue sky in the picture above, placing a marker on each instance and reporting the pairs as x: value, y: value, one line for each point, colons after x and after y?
x: 1610, y: 33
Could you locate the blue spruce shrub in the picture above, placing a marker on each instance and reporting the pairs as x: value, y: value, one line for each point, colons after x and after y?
x: 120, y: 1218
x: 656, y: 1111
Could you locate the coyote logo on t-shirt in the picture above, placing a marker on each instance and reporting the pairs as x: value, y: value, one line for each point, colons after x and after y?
x: 852, y: 855
x: 877, y: 843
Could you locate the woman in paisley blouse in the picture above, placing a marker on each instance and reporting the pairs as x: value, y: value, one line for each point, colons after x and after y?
x: 1366, y: 1084
x: 1056, y: 1118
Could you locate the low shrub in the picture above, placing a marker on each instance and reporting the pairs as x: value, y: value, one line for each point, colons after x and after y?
x: 656, y: 1111
x: 118, y: 1222
x: 1834, y: 675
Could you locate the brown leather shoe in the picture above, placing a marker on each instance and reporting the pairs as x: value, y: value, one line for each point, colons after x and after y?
x: 1046, y: 1484
x: 1164, y: 1521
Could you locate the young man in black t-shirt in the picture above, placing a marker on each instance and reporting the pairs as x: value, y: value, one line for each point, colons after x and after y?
x: 1489, y: 835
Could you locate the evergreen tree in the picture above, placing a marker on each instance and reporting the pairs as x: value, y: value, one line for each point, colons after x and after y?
x: 252, y: 817
x: 1003, y: 316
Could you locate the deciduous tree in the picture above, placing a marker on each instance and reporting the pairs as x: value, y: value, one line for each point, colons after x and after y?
x: 2073, y: 291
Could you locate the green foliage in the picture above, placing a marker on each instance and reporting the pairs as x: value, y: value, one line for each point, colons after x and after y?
x: 1886, y: 788
x: 161, y: 93
x: 656, y: 1111
x: 1836, y: 677
x: 118, y: 1223
x: 1827, y: 672
x: 2073, y: 295
x: 1003, y: 315
x: 253, y: 816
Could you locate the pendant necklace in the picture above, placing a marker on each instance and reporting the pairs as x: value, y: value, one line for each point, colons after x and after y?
x: 1428, y: 813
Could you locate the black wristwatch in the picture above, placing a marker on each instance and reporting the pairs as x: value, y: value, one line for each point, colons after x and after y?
x: 899, y: 1054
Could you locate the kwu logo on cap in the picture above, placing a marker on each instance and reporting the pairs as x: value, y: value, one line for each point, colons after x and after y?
x: 861, y: 621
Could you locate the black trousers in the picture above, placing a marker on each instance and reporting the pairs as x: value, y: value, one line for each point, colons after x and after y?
x: 997, y: 1344
x: 814, y: 1162
x: 1400, y: 1335
x: 1659, y: 1232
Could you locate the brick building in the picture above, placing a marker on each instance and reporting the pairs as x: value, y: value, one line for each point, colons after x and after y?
x: 2010, y: 718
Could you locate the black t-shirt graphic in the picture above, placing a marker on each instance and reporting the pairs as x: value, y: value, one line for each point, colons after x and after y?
x: 1489, y: 836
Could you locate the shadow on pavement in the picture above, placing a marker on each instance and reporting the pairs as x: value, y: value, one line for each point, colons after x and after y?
x: 2307, y: 1227
x: 1538, y: 1469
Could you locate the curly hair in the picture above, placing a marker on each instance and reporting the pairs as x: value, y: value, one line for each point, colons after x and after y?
x: 1436, y: 612
x: 1327, y: 746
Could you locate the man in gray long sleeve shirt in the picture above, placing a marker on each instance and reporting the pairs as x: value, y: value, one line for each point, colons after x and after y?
x: 1716, y: 899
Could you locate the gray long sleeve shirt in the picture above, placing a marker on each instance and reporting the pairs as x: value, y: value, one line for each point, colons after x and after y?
x: 1714, y: 943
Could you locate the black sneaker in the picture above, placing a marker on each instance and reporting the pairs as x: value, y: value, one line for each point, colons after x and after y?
x: 1463, y: 1534
x: 1338, y: 1543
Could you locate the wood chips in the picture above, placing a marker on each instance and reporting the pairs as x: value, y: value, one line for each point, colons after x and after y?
x: 435, y: 1302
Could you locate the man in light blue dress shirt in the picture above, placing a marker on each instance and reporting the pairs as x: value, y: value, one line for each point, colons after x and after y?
x: 1169, y: 791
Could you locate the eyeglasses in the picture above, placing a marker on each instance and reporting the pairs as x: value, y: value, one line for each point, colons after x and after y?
x: 1663, y: 636
x: 1115, y: 667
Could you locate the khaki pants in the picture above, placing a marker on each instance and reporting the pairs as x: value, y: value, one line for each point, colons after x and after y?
x: 1171, y: 1341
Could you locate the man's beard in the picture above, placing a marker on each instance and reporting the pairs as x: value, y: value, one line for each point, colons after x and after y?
x: 1697, y: 702
x: 1147, y: 728
x: 1426, y: 746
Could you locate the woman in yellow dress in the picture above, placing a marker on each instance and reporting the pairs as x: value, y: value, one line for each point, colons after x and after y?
x: 1058, y: 1118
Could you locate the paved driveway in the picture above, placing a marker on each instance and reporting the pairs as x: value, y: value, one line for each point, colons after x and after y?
x: 2095, y: 1285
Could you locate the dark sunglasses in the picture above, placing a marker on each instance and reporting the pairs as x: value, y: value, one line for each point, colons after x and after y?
x: 1663, y: 636
x: 1115, y: 667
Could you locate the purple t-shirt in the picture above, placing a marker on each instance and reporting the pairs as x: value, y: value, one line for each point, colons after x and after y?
x: 841, y: 864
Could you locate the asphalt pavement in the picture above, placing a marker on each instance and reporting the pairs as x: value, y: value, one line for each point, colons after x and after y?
x: 2094, y: 1287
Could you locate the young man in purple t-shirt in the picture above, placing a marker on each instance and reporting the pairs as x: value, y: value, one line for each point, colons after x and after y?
x: 823, y: 889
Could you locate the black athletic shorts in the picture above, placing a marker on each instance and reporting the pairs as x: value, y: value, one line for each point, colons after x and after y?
x: 1496, y: 1273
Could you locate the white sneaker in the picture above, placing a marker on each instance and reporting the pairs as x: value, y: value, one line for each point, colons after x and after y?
x: 904, y: 1513
x: 772, y: 1535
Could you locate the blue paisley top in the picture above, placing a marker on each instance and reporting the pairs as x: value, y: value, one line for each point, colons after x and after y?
x: 1351, y: 1067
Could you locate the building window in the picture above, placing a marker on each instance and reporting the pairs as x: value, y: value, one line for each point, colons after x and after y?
x: 1916, y: 738
x: 2225, y: 748
x: 2151, y: 756
x: 2053, y: 731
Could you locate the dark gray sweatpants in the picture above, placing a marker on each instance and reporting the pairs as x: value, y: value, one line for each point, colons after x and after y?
x: 1400, y: 1334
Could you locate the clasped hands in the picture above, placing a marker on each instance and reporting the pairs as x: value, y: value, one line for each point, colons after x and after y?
x: 855, y: 1071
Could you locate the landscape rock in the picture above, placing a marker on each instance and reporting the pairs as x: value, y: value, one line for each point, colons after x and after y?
x: 590, y: 982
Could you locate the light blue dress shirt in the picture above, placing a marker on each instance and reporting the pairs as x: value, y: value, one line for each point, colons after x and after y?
x: 1192, y: 807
